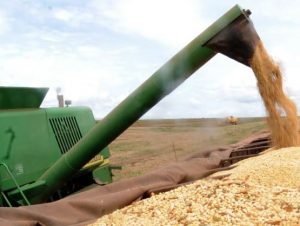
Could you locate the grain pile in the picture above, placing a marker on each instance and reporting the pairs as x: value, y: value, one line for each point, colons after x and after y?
x: 274, y: 168
x: 260, y: 191
x: 282, y: 112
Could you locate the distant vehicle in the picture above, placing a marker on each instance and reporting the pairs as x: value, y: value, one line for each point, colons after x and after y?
x: 232, y: 120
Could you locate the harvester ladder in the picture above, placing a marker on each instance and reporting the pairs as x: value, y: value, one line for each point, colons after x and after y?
x: 17, y: 185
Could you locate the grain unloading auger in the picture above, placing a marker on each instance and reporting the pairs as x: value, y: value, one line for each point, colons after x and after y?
x: 52, y: 176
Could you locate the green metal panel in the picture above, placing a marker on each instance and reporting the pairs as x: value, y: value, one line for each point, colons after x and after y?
x: 24, y: 139
x: 160, y: 84
x: 69, y: 125
x: 30, y: 141
x: 21, y: 97
x: 103, y: 174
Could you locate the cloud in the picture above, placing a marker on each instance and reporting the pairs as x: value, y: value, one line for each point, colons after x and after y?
x: 4, y: 23
x: 75, y: 16
x: 63, y: 14
x: 172, y: 23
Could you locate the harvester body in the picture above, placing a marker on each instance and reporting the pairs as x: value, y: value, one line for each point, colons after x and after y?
x: 33, y: 138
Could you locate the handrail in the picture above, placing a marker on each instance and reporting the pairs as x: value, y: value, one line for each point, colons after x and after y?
x: 16, y: 183
x: 6, y: 199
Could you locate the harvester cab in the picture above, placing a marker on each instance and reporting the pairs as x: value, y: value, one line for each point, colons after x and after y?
x: 33, y: 138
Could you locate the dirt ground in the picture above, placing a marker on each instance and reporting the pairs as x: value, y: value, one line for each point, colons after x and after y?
x: 150, y: 144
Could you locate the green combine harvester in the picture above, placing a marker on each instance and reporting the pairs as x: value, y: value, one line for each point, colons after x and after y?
x: 33, y: 138
x: 47, y: 154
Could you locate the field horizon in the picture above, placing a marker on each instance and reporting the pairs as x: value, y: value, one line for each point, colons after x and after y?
x: 152, y: 143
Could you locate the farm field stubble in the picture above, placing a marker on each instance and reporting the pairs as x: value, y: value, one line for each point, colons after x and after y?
x: 150, y: 144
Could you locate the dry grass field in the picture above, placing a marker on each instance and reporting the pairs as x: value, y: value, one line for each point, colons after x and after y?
x: 150, y: 144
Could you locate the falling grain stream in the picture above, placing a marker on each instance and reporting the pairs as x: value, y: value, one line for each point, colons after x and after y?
x: 282, y: 113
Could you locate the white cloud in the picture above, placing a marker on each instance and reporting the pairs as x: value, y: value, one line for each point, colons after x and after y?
x: 4, y: 23
x: 88, y: 75
x: 74, y: 16
x: 173, y: 23
x: 62, y: 14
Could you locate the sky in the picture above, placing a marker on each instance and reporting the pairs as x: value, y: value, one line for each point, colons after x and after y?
x: 98, y: 52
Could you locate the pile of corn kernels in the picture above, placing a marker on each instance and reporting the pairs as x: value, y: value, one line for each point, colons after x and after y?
x: 234, y: 200
x: 272, y: 168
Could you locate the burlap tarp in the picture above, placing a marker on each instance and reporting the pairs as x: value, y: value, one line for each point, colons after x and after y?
x: 87, y: 206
